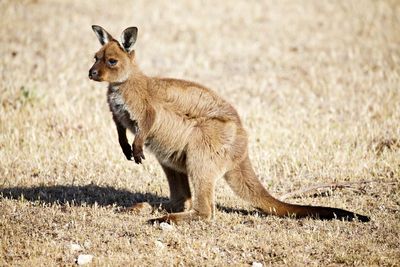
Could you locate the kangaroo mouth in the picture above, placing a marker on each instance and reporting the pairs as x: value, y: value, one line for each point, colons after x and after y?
x: 95, y: 78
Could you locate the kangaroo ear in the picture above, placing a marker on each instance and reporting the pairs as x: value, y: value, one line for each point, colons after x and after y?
x: 128, y: 38
x: 103, y: 36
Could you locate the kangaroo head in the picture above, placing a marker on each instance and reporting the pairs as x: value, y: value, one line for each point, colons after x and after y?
x: 114, y: 60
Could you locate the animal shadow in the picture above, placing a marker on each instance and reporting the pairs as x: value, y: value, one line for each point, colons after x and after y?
x: 79, y: 195
x: 91, y: 194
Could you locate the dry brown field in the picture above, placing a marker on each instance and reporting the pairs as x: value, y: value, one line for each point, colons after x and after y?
x: 317, y: 85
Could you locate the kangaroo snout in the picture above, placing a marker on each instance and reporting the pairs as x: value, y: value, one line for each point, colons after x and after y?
x: 94, y: 74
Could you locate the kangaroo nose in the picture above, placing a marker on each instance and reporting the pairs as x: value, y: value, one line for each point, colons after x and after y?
x: 93, y: 73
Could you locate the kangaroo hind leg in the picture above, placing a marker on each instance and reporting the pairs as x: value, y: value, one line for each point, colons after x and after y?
x: 203, y: 172
x: 180, y: 195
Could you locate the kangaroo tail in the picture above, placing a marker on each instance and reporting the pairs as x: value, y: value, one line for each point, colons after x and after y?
x: 245, y: 183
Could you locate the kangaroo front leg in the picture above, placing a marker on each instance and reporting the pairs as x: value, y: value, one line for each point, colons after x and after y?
x: 145, y: 125
x: 123, y: 140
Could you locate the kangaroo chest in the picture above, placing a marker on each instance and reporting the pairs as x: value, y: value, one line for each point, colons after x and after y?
x: 120, y: 110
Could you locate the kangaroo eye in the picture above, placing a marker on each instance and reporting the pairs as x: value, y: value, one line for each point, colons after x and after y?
x: 112, y: 62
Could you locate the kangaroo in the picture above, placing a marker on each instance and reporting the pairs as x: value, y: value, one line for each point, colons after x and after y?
x: 195, y: 135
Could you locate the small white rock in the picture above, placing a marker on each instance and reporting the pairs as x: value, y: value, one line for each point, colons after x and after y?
x: 166, y: 226
x: 84, y: 259
x: 75, y: 247
x: 159, y: 244
x: 256, y: 264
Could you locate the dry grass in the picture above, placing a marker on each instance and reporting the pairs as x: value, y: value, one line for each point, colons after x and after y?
x: 317, y: 86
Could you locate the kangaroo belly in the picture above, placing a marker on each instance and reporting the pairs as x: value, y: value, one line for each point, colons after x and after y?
x: 169, y: 137
x: 167, y: 155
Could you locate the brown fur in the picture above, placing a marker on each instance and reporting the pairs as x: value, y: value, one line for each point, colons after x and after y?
x: 195, y: 135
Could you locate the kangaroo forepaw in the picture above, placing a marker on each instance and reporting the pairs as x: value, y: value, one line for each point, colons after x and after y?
x: 138, y: 154
x: 127, y: 152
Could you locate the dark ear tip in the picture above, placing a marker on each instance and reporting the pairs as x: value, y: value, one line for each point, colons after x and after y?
x: 94, y: 27
x: 133, y: 29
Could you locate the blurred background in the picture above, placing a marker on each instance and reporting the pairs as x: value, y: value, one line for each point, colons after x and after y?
x: 313, y: 80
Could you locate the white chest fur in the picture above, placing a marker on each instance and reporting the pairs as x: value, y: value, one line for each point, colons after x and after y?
x: 120, y: 110
x: 116, y: 102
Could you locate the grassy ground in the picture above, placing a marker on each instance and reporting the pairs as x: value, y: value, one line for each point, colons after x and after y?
x: 317, y: 86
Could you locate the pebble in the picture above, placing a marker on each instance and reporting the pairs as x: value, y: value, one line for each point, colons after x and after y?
x: 84, y: 259
x: 166, y: 227
x: 256, y: 264
x: 75, y: 247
